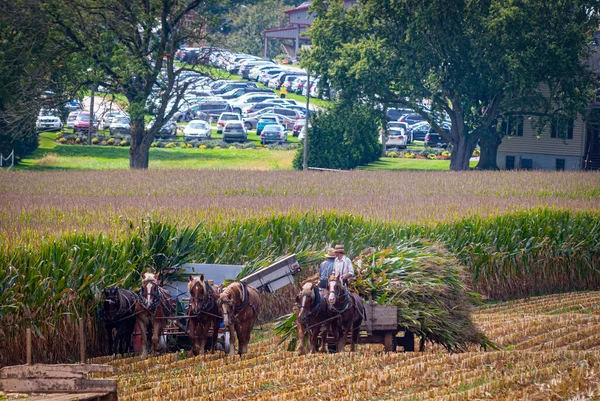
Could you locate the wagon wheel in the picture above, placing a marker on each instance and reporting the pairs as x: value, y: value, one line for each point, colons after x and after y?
x: 227, y: 342
x: 388, y: 342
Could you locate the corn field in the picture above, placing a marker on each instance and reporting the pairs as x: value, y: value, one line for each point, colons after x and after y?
x: 549, y: 350
x: 66, y: 235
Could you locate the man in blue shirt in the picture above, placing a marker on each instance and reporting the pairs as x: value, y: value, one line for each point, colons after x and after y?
x: 326, y: 268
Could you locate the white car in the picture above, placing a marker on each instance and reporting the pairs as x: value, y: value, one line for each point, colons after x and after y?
x: 224, y: 118
x: 120, y: 125
x: 71, y: 118
x: 108, y: 117
x: 197, y: 129
x: 396, y: 138
x: 249, y: 99
x: 48, y: 123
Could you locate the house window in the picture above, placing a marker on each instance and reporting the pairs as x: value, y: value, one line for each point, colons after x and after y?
x: 526, y: 164
x: 510, y: 163
x: 512, y: 126
x: 560, y: 164
x: 561, y: 128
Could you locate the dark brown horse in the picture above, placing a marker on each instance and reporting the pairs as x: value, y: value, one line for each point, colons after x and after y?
x: 204, y: 312
x: 153, y: 305
x: 119, y: 314
x: 350, y: 309
x: 240, y: 305
x: 312, y: 312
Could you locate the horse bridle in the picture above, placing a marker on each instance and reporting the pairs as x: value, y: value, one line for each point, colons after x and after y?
x: 206, y: 302
x: 315, y: 304
x: 336, y: 297
x: 156, y: 295
x: 237, y: 309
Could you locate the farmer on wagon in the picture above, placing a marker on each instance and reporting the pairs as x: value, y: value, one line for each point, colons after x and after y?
x: 326, y: 268
x: 342, y: 265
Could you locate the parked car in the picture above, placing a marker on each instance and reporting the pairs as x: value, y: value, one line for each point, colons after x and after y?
x: 234, y: 131
x: 120, y: 125
x: 82, y: 123
x: 71, y: 118
x: 107, y: 118
x: 394, y: 114
x: 396, y: 138
x: 298, y: 85
x: 419, y: 130
x: 235, y: 93
x: 224, y: 117
x: 251, y: 121
x: 434, y: 140
x: 48, y: 123
x: 273, y: 133
x: 268, y: 119
x: 411, y: 118
x: 169, y: 129
x: 197, y: 129
x: 213, y: 109
x: 233, y: 85
x: 400, y: 126
x: 247, y: 100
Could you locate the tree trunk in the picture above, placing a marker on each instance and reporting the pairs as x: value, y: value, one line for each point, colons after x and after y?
x: 461, y: 152
x: 490, y: 141
x: 139, y: 151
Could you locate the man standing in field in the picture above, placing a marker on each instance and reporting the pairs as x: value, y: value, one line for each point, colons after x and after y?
x: 343, y: 265
x: 326, y: 268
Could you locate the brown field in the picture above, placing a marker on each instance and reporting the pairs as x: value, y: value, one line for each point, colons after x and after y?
x: 51, y: 202
x: 548, y: 351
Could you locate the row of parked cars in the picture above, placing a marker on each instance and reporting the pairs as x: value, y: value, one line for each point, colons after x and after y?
x: 405, y: 126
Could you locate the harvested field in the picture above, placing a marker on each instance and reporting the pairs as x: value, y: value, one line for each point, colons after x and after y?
x: 53, y: 202
x: 549, y: 351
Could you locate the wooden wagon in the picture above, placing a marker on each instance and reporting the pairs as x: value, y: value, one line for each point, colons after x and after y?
x: 381, y: 327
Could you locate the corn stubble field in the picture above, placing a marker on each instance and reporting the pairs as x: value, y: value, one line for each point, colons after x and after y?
x: 548, y: 351
x: 66, y: 235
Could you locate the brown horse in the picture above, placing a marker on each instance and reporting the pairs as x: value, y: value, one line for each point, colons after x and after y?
x: 153, y: 305
x: 350, y: 309
x: 203, y: 311
x: 240, y: 305
x: 312, y: 311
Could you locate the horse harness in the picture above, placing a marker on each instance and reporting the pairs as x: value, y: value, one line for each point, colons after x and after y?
x: 126, y: 306
x: 244, y: 304
x: 207, y: 302
x: 159, y: 295
x: 346, y: 304
x: 316, y: 303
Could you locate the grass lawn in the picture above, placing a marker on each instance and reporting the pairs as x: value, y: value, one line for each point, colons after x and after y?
x: 410, y: 164
x: 53, y: 156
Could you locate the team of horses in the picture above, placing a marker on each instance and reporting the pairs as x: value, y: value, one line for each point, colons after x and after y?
x: 334, y: 310
x: 321, y: 312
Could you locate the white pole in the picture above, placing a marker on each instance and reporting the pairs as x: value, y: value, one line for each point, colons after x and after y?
x: 305, y: 153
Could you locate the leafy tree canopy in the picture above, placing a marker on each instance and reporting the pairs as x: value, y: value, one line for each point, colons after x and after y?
x: 474, y: 59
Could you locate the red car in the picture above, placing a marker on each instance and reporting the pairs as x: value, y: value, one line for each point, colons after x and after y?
x: 82, y: 123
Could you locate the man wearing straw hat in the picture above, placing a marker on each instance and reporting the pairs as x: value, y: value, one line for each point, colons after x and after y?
x: 343, y: 265
x: 326, y: 268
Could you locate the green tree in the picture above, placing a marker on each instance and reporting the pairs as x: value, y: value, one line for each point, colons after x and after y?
x: 248, y: 22
x: 475, y: 60
x: 30, y: 64
x: 342, y: 137
x: 132, y: 43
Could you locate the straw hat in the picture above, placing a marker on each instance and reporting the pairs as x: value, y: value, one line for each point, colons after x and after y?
x: 339, y: 248
x: 330, y: 253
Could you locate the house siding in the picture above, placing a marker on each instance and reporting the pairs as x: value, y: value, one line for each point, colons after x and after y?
x: 532, y: 144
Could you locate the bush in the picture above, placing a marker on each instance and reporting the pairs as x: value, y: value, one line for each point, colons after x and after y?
x: 343, y: 137
x: 95, y: 141
x: 111, y: 141
x: 123, y: 143
x: 170, y: 145
x: 62, y: 140
x: 153, y: 144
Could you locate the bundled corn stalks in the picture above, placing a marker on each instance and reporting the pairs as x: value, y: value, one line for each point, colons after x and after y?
x: 427, y: 286
x: 425, y: 283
